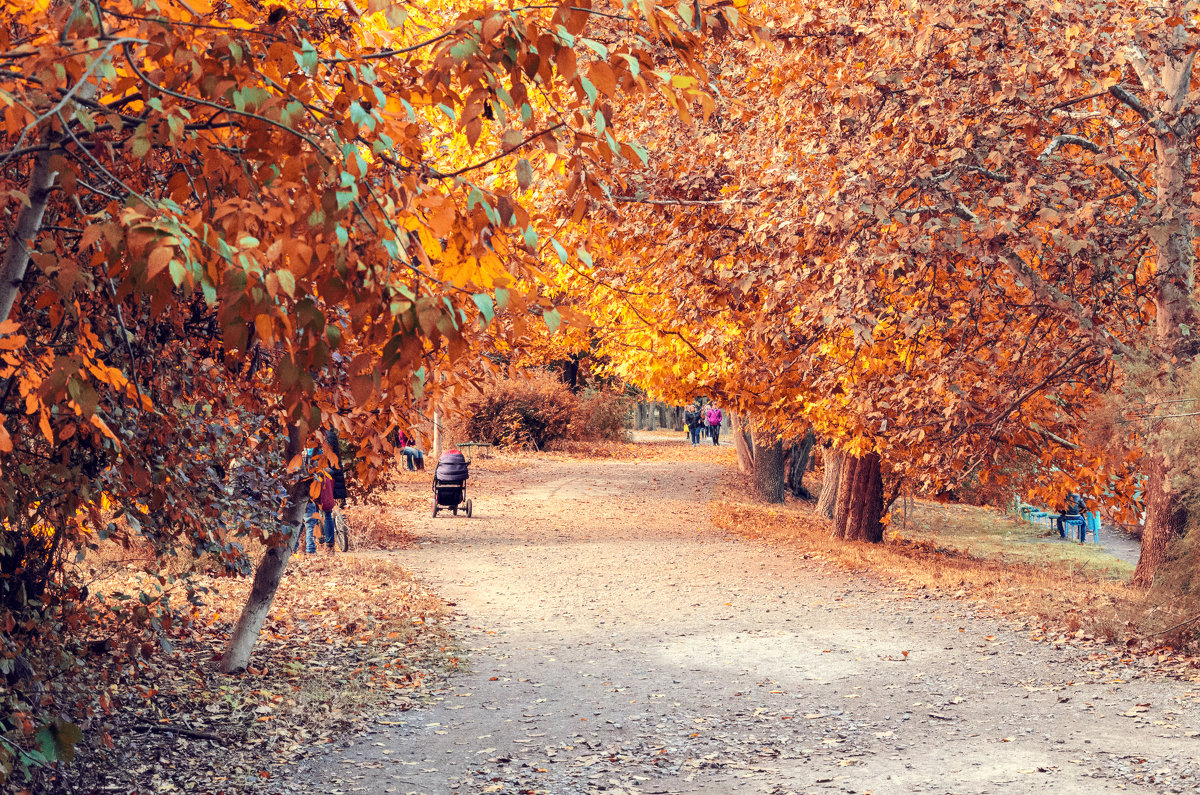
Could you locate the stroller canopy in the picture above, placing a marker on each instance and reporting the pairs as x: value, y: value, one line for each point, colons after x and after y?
x: 452, y: 467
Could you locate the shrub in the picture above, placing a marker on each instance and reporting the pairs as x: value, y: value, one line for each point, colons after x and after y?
x: 539, y: 410
x: 521, y: 412
x: 604, y: 417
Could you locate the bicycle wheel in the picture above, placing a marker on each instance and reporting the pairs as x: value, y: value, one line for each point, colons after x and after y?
x: 341, y: 532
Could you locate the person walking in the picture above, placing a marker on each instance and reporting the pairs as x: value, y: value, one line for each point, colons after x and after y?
x: 713, y: 418
x: 693, y: 419
x: 320, y: 510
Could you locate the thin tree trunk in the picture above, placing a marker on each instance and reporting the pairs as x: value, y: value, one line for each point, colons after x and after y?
x: 846, y: 483
x: 24, y: 233
x: 741, y: 445
x: 269, y: 572
x: 768, y: 469
x: 827, y: 502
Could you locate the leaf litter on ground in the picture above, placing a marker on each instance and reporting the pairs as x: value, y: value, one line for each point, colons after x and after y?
x: 349, y: 637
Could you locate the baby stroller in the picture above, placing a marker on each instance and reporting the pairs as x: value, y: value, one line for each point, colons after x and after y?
x: 450, y: 483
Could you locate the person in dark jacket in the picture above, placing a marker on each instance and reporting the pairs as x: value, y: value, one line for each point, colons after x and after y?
x: 1075, y: 506
x: 337, y: 473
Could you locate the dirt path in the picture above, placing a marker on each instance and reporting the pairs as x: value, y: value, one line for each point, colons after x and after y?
x: 618, y: 643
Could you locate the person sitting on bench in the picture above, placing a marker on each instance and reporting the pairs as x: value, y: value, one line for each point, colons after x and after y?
x: 1072, y: 513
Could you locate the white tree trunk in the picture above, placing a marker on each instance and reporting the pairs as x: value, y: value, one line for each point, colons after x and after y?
x: 269, y: 572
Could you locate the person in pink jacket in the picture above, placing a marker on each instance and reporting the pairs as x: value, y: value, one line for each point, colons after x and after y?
x: 712, y: 418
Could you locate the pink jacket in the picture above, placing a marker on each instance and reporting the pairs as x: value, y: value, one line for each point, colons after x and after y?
x: 713, y: 416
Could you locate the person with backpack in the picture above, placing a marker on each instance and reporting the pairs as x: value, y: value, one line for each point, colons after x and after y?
x: 320, y: 509
x: 339, y: 475
x: 713, y: 418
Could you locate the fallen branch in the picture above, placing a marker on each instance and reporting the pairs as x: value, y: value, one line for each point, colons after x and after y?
x: 167, y: 728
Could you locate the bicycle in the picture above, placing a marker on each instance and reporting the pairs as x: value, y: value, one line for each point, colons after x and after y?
x: 341, y: 531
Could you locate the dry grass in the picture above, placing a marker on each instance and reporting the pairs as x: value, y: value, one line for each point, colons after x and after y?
x: 1068, y: 588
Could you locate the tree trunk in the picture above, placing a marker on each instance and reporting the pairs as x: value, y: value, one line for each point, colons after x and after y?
x: 768, y: 469
x: 1166, y: 518
x: 1175, y: 315
x: 24, y: 233
x: 827, y: 502
x: 867, y: 512
x: 798, y: 458
x: 677, y: 418
x: 741, y: 444
x: 269, y: 572
x: 846, y: 481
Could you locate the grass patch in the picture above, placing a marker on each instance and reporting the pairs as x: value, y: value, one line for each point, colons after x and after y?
x: 1070, y: 591
x: 990, y: 535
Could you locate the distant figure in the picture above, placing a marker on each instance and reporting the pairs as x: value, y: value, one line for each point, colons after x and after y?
x: 713, y: 418
x: 694, y: 419
x: 1075, y: 506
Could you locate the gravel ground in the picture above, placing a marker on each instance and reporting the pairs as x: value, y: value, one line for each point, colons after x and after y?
x: 616, y: 642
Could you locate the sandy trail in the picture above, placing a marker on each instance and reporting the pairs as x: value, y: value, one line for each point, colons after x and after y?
x: 617, y: 642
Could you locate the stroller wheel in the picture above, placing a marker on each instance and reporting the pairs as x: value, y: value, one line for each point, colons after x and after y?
x: 435, y: 507
x: 469, y: 506
x: 455, y: 509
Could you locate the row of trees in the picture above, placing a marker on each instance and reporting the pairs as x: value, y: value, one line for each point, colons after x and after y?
x: 956, y: 240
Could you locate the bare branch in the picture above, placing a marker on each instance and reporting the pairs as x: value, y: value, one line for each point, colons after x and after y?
x: 686, y: 202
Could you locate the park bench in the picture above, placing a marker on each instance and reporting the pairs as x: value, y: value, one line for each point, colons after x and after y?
x: 470, y: 448
x: 1080, y: 524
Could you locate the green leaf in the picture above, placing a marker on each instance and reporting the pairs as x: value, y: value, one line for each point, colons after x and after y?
x: 464, y: 50
x: 589, y: 89
x: 524, y: 173
x: 178, y: 272
x: 558, y: 248
x: 501, y: 298
x: 531, y: 236
x: 66, y: 736
x: 484, y: 302
x: 553, y: 320
x: 595, y: 47
x: 584, y: 256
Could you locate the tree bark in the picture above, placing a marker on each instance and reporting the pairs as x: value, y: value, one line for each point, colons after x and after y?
x: 846, y: 481
x: 24, y: 233
x: 677, y: 418
x: 269, y: 572
x: 827, y: 502
x: 1166, y: 518
x: 768, y: 469
x: 868, y: 502
x: 797, y: 464
x: 741, y: 445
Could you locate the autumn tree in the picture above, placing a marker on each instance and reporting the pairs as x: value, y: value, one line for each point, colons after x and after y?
x: 230, y: 225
